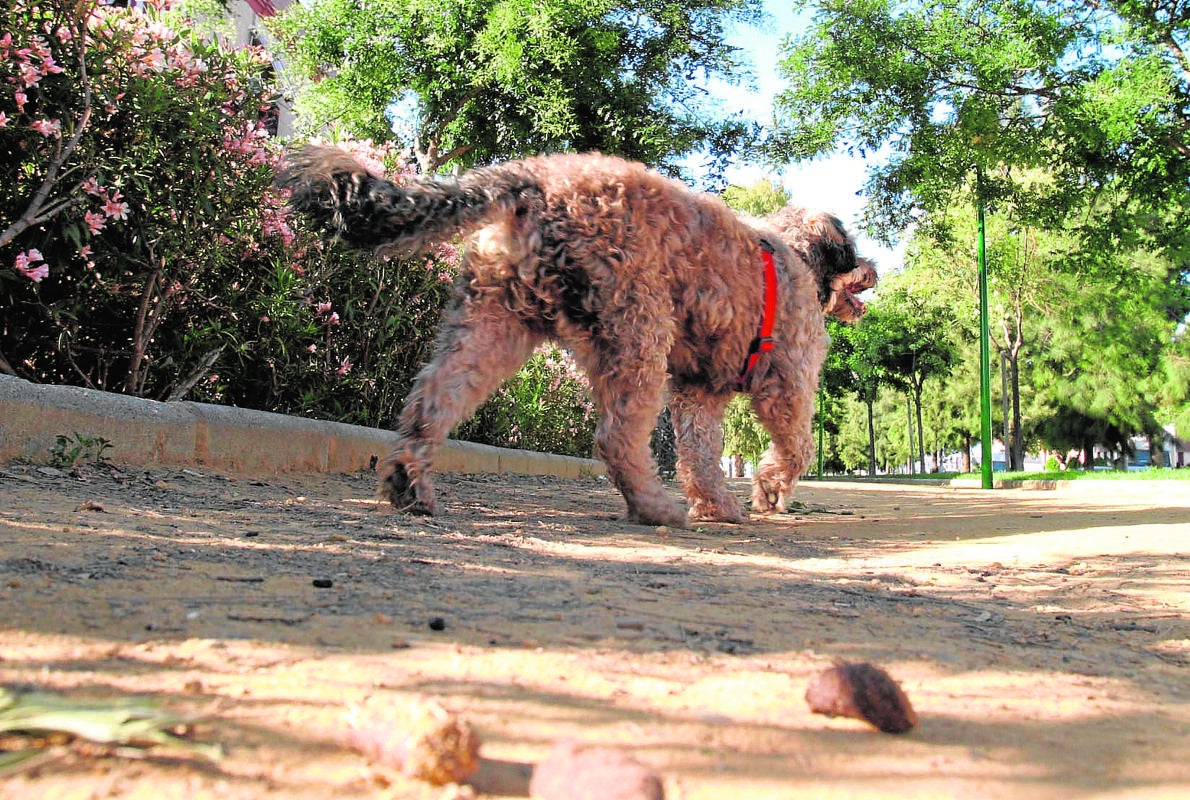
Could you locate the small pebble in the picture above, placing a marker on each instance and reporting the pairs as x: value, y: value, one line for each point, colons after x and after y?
x: 323, y: 583
x: 437, y: 624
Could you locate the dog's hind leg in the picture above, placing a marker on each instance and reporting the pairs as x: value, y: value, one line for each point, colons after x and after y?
x: 788, y: 417
x: 698, y: 427
x: 479, y: 345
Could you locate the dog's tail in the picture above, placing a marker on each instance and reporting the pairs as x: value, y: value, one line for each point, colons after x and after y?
x: 367, y: 211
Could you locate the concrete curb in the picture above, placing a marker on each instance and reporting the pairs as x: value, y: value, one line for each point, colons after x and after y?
x: 238, y: 440
x: 1177, y: 491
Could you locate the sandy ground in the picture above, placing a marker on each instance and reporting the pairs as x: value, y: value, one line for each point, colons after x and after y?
x: 1042, y: 638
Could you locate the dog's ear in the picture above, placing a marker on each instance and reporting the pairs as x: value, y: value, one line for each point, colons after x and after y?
x: 865, y: 274
x: 832, y: 249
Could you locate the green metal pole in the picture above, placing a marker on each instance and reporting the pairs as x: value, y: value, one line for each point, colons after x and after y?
x: 985, y: 348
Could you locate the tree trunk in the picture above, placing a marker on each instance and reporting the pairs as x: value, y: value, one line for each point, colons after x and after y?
x: 921, y: 442
x: 1016, y: 441
x: 966, y: 452
x: 1004, y: 402
x: 1156, y: 453
x: 909, y: 417
x: 871, y: 439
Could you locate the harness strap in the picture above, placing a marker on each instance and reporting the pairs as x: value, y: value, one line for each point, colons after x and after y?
x: 763, y: 342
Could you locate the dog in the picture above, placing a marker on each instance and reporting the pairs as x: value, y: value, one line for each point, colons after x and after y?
x: 653, y: 287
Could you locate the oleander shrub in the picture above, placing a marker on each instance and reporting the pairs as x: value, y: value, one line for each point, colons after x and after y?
x: 142, y: 249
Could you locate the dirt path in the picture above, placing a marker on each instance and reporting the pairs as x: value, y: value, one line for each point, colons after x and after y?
x: 1043, y: 639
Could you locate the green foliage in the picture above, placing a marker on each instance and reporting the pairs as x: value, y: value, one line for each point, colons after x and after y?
x: 742, y: 431
x: 70, y: 450
x: 124, y: 722
x: 476, y: 82
x: 761, y: 198
x: 546, y: 407
x: 140, y: 206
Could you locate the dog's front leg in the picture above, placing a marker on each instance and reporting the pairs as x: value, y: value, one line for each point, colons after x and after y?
x: 698, y: 429
x: 629, y: 389
x: 787, y: 416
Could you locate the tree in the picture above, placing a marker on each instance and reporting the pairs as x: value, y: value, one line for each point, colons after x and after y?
x: 859, y: 347
x: 472, y: 82
x: 1097, y: 94
x: 1067, y: 119
x: 1103, y: 345
x: 920, y: 346
x: 743, y: 434
x: 1173, y: 385
x: 1024, y: 267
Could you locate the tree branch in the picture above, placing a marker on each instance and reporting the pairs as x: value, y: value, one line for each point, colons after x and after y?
x: 192, y: 380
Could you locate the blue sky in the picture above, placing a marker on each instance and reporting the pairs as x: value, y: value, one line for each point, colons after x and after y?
x: 834, y: 183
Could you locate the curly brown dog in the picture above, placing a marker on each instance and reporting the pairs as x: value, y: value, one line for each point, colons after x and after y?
x: 650, y: 285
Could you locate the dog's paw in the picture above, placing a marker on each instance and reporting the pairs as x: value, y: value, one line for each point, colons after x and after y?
x: 672, y: 516
x: 405, y: 494
x: 768, y: 497
x: 717, y: 512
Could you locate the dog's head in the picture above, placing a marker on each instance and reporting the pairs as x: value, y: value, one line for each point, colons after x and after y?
x: 829, y: 251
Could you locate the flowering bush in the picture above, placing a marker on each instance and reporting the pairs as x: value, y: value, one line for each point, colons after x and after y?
x: 135, y: 157
x: 141, y: 248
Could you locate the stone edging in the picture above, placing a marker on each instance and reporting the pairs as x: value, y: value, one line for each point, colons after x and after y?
x: 238, y: 440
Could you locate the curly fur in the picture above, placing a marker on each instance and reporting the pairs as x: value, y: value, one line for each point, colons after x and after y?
x: 651, y: 286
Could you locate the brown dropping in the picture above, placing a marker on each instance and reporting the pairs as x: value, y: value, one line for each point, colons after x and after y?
x: 861, y: 691
x: 576, y: 772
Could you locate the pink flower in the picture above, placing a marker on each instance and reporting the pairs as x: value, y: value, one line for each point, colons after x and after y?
x: 95, y: 221
x: 313, y: 348
x: 46, y: 127
x: 25, y: 264
x: 344, y: 367
x: 114, y: 209
x: 30, y: 74
x: 21, y: 98
x: 154, y: 60
x: 324, y: 308
x: 333, y: 319
x: 3, y: 119
x: 48, y: 67
x: 64, y: 34
x: 92, y: 187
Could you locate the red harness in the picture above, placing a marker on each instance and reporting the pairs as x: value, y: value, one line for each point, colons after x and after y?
x: 763, y: 342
